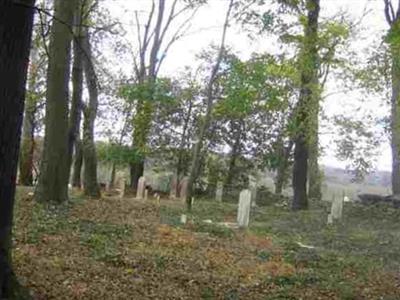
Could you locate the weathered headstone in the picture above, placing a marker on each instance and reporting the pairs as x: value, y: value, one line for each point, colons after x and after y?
x: 146, y: 194
x: 174, y: 187
x: 122, y: 187
x: 337, y: 208
x: 183, y: 219
x: 219, y: 192
x: 243, y: 216
x: 141, y: 187
x: 183, y: 188
x: 253, y: 189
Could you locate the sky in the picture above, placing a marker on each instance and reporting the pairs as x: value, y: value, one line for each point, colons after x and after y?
x: 206, y: 28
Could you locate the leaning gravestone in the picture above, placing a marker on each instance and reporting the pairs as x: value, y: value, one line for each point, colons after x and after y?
x: 140, y: 194
x: 337, y: 208
x: 183, y: 188
x: 243, y: 216
x: 219, y: 192
x: 174, y: 187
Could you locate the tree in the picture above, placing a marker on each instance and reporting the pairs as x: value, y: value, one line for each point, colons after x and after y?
x: 307, y: 97
x: 153, y: 47
x: 16, y: 21
x: 53, y: 178
x: 91, y: 187
x: 194, y: 169
x: 33, y: 101
x: 393, y: 38
x: 76, y: 101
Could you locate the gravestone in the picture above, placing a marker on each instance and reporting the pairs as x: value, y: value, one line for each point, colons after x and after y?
x: 183, y: 188
x: 183, y: 219
x: 253, y: 189
x: 122, y: 187
x: 243, y: 216
x: 174, y: 187
x: 219, y: 192
x: 141, y: 187
x: 146, y: 194
x: 337, y: 208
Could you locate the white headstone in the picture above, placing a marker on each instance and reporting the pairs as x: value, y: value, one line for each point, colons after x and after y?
x: 122, y: 187
x: 174, y: 187
x: 330, y: 219
x: 219, y: 192
x: 243, y: 216
x: 141, y: 187
x: 337, y: 208
x: 146, y: 194
x: 183, y: 219
x: 183, y: 188
x: 253, y: 189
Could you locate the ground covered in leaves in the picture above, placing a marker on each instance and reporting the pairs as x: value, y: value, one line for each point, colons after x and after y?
x: 130, y: 249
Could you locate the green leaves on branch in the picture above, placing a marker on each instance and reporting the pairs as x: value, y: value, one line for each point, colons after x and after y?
x: 121, y: 155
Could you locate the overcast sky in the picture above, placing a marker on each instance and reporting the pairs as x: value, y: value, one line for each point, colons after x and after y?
x: 206, y: 29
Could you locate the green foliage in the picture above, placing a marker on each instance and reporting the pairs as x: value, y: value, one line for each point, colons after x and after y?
x: 121, y: 155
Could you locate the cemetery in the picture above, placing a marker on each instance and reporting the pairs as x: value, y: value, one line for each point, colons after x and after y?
x: 143, y: 244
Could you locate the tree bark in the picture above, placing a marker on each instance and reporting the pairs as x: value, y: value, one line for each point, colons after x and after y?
x: 395, y: 121
x: 309, y: 83
x: 53, y: 179
x: 78, y: 162
x: 16, y: 22
x: 77, y: 86
x: 314, y: 172
x: 91, y: 186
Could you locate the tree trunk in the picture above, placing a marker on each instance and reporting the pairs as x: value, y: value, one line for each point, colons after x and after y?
x: 181, y: 165
x: 395, y: 121
x: 142, y: 125
x: 314, y: 173
x: 309, y: 84
x: 283, y: 167
x: 112, y: 178
x: 91, y: 187
x: 78, y: 162
x: 53, y: 179
x: 194, y: 168
x: 137, y: 170
x: 77, y: 85
x: 237, y: 129
x: 15, y: 35
x: 27, y: 139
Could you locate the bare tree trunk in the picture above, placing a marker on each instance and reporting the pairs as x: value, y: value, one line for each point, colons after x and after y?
x: 91, y: 187
x: 15, y: 36
x: 309, y: 82
x: 194, y: 169
x: 77, y: 85
x: 53, y: 179
x: 78, y: 162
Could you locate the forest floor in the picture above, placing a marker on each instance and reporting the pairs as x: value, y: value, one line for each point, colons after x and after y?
x: 131, y: 249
